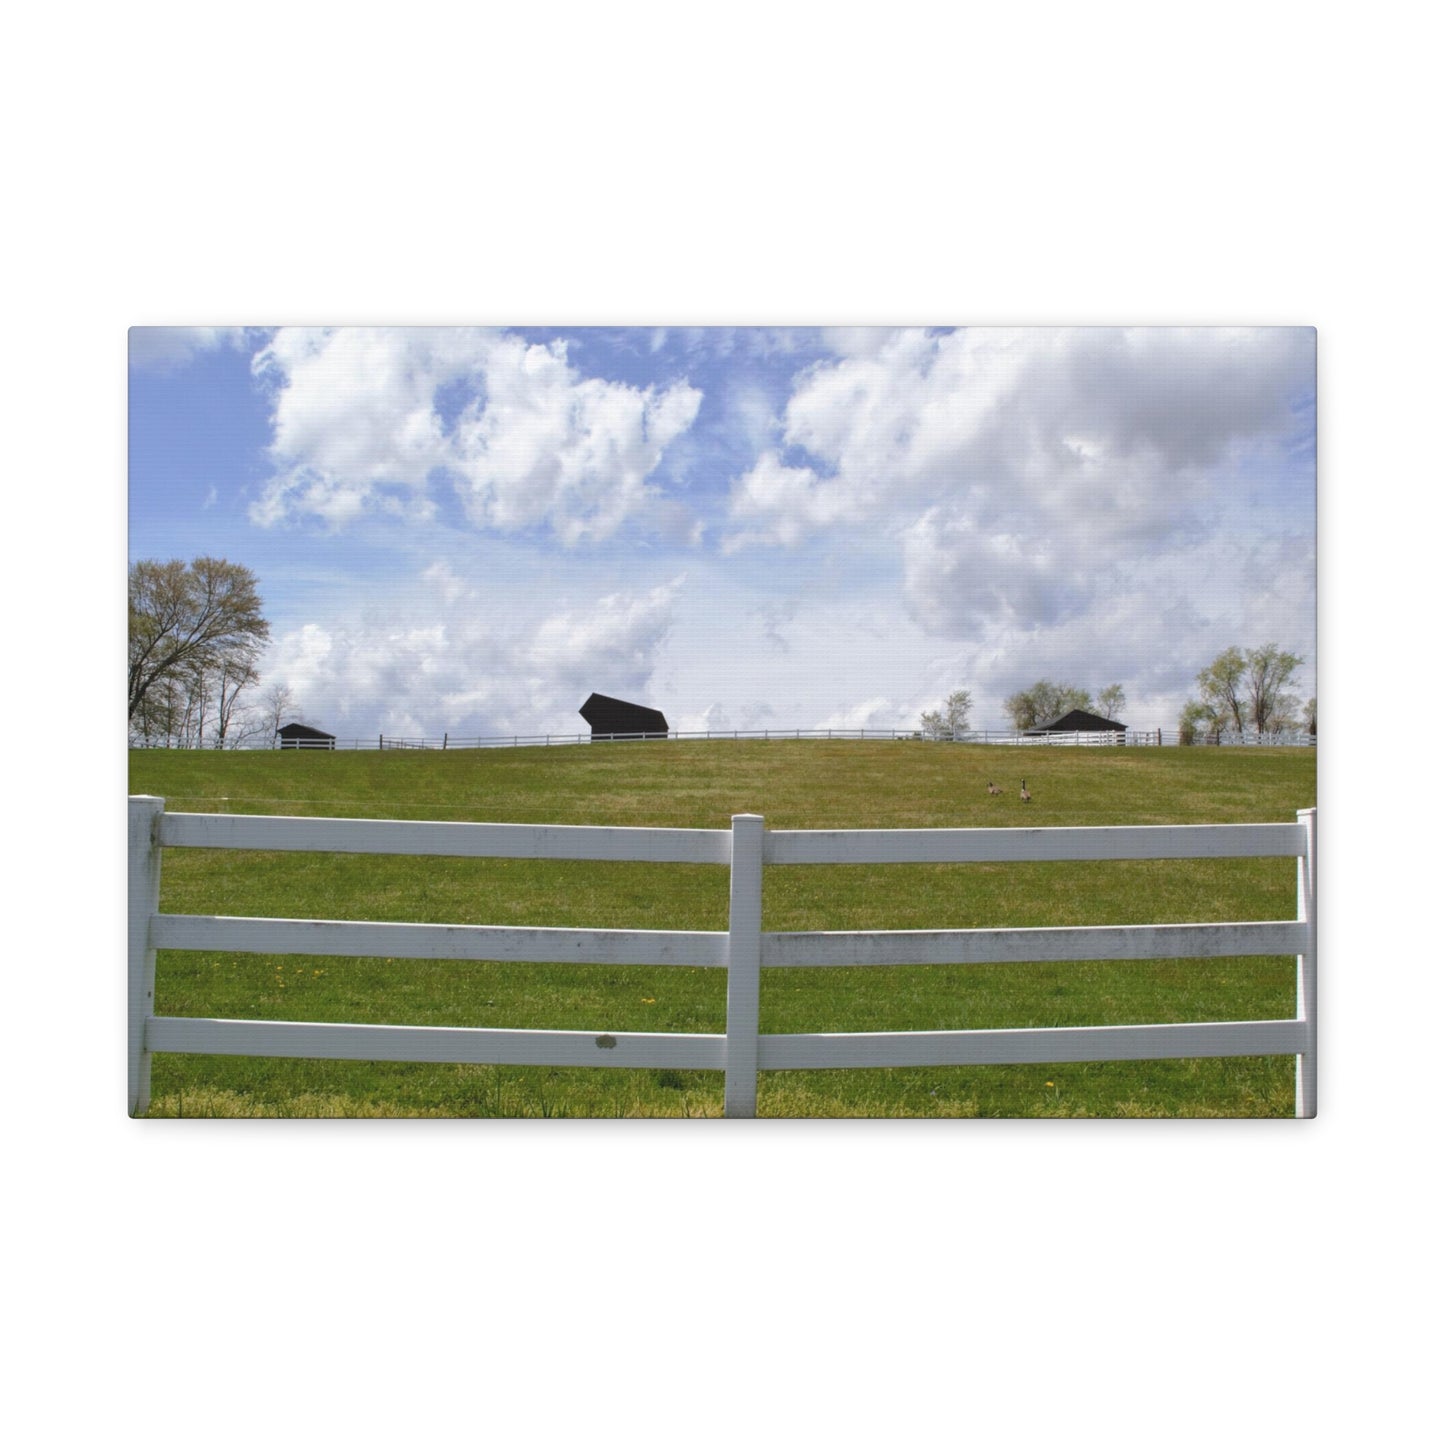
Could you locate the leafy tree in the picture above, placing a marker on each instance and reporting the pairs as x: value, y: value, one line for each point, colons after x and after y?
x: 1247, y: 692
x: 1111, y: 701
x: 1310, y: 717
x: 1221, y: 690
x: 951, y: 721
x: 196, y: 632
x: 1043, y: 702
x: 1267, y: 675
x: 1198, y: 718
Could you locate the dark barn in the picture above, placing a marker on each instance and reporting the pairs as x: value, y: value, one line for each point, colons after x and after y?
x: 1078, y: 721
x: 298, y: 735
x: 610, y: 716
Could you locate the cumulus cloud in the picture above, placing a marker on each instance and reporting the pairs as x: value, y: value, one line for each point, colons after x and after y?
x: 1158, y: 626
x: 453, y: 661
x: 608, y: 645
x: 957, y: 574
x: 1019, y: 471
x: 546, y: 446
x: 790, y: 502
x: 975, y: 508
x: 368, y: 419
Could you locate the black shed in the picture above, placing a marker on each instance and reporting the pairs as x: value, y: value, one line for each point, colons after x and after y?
x: 298, y: 735
x: 1078, y: 721
x: 611, y: 717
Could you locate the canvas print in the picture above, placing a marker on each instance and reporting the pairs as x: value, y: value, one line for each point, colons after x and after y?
x: 721, y: 722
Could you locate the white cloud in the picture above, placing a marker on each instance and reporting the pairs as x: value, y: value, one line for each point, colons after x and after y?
x: 1097, y: 432
x: 789, y: 502
x: 874, y: 714
x: 1034, y: 486
x: 1088, y: 505
x: 363, y: 419
x: 452, y: 658
x: 609, y: 646
x: 958, y: 574
x: 972, y: 509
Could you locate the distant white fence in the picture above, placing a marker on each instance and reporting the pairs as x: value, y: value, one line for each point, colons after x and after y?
x: 1134, y: 738
x: 1131, y: 738
x: 744, y: 950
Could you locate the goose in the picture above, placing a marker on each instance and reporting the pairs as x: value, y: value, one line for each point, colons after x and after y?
x: 1024, y: 791
x: 994, y: 790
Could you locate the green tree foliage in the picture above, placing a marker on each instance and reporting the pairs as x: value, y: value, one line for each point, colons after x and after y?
x: 951, y: 721
x: 1271, y: 707
x: 1244, y: 693
x: 1043, y: 702
x: 1111, y: 701
x: 1221, y: 691
x: 196, y: 632
x: 1198, y: 722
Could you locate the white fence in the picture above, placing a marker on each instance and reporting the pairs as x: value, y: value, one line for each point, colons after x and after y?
x: 744, y: 950
x: 1134, y: 738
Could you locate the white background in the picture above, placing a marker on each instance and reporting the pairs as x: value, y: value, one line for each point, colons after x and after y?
x: 658, y: 164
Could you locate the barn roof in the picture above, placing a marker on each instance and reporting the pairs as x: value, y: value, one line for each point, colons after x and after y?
x: 1079, y: 721
x: 301, y: 730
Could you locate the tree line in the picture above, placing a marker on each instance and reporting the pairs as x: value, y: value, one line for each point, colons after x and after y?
x: 196, y: 638
x: 1028, y: 708
x: 1246, y: 694
x: 1241, y: 694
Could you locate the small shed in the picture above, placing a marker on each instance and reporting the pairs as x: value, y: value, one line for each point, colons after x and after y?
x: 1078, y: 721
x: 298, y: 735
x: 610, y: 717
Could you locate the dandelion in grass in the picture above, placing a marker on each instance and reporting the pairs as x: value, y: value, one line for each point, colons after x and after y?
x: 649, y: 1000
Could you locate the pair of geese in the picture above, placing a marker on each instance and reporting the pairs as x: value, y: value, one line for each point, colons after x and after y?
x: 1024, y: 793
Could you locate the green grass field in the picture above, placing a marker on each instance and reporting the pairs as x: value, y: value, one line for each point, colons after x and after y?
x: 802, y: 784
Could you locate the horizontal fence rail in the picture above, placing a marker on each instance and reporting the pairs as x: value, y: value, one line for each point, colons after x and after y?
x: 444, y: 840
x: 743, y: 950
x: 1034, y: 845
x: 1132, y: 737
x: 1032, y: 945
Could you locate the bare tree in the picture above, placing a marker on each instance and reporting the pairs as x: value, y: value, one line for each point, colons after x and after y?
x: 235, y: 674
x: 277, y: 706
x: 278, y: 703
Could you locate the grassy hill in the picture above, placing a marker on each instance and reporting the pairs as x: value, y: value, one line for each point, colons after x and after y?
x: 803, y: 784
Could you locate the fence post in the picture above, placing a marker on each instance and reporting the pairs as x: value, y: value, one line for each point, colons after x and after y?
x: 144, y: 890
x: 1306, y: 1064
x: 745, y: 958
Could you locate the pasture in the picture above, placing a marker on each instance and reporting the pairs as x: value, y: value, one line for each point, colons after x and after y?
x: 805, y: 784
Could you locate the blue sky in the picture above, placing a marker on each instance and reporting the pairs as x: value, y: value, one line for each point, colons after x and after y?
x: 468, y: 530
